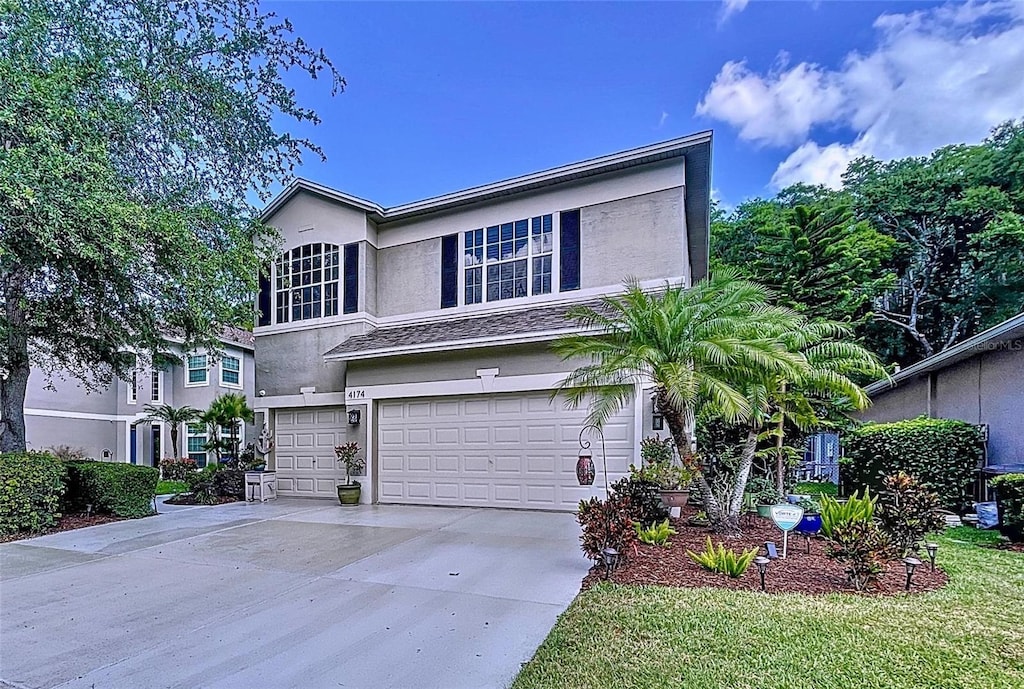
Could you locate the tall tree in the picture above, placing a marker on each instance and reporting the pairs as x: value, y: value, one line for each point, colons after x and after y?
x: 132, y: 134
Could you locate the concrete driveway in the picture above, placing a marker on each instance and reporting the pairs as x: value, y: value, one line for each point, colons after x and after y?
x: 290, y: 593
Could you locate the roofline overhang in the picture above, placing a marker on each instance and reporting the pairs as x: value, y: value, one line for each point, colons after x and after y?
x: 673, y: 148
x: 445, y: 346
x: 952, y: 355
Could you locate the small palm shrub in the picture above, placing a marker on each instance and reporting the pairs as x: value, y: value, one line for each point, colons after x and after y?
x: 722, y: 559
x: 835, y: 513
x: 605, y: 523
x: 645, y: 503
x: 907, y: 511
x: 655, y: 534
x: 863, y: 547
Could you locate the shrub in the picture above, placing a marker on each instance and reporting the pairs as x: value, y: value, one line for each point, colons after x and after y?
x: 655, y: 534
x: 943, y: 454
x: 907, y: 511
x: 31, y: 487
x: 723, y: 560
x: 606, y: 523
x: 177, y: 469
x: 863, y: 547
x: 202, y: 485
x: 645, y: 505
x: 1010, y: 498
x: 654, y: 450
x: 229, y: 483
x: 836, y: 514
x: 123, y: 490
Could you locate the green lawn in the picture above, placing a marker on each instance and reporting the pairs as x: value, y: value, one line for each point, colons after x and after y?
x: 168, y: 487
x: 969, y: 634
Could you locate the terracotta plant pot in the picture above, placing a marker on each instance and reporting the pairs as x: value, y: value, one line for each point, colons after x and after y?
x: 348, y: 494
x: 675, y: 498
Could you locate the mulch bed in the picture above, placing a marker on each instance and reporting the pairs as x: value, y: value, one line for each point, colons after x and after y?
x: 186, y: 499
x: 68, y: 522
x: 800, y: 572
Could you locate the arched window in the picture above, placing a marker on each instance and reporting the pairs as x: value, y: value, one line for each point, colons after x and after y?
x: 307, y: 282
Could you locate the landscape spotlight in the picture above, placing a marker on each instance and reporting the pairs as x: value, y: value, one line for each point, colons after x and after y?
x: 762, y: 566
x: 911, y: 564
x: 611, y: 561
x: 931, y: 549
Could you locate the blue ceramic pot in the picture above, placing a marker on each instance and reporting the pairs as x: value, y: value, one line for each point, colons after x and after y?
x: 811, y: 523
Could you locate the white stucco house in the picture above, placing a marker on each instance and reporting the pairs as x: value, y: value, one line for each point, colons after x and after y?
x: 422, y: 331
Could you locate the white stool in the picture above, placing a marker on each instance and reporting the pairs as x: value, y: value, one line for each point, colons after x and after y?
x: 262, y: 482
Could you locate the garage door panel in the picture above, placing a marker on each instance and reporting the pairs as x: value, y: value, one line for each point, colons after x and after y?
x: 304, y: 450
x: 514, y: 450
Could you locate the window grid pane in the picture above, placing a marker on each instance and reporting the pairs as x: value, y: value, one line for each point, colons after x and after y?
x: 307, y: 282
x: 197, y: 369
x: 513, y: 253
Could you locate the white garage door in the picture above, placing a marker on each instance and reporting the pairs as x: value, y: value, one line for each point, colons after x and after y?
x: 304, y: 447
x: 492, y: 450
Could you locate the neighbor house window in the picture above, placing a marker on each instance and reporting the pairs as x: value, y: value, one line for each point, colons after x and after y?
x: 231, y: 372
x: 156, y: 386
x: 198, y: 370
x: 508, y: 261
x: 195, y: 443
x: 133, y: 386
x: 307, y: 283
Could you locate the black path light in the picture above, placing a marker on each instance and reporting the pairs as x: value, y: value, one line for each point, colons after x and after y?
x: 610, y: 556
x: 931, y: 549
x: 762, y: 567
x: 585, y: 464
x: 911, y: 564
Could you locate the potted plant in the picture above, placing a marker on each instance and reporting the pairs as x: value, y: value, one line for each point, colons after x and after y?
x: 673, y: 480
x: 811, y: 522
x: 763, y: 493
x: 348, y: 455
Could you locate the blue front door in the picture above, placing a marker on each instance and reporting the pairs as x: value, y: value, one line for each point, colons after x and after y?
x: 133, y: 451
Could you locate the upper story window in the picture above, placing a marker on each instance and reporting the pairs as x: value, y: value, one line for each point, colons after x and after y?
x: 197, y: 370
x: 133, y: 386
x: 156, y: 386
x: 307, y: 283
x: 231, y: 372
x: 517, y: 258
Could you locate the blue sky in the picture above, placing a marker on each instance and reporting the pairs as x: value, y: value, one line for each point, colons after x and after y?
x: 445, y: 96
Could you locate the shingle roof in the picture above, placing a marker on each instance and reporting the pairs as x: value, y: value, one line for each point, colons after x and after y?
x: 534, y: 324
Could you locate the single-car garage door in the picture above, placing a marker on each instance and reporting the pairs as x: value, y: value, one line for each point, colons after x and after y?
x: 304, y: 449
x: 516, y: 450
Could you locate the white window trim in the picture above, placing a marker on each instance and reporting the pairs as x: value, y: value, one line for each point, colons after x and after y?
x: 133, y: 386
x: 241, y: 367
x: 185, y: 434
x: 556, y: 226
x: 159, y: 386
x: 197, y: 384
x: 323, y: 284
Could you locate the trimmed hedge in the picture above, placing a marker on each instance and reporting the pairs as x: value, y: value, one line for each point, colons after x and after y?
x: 1010, y: 499
x: 943, y: 454
x: 123, y: 490
x: 31, y: 488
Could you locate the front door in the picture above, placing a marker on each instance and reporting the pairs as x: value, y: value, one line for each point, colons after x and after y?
x: 133, y: 445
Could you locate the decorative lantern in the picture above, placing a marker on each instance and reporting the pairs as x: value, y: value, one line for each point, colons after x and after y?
x: 610, y: 556
x: 762, y: 567
x: 911, y: 564
x: 585, y: 471
x: 931, y: 549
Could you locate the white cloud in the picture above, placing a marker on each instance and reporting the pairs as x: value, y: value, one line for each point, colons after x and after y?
x: 661, y: 120
x: 936, y: 76
x: 731, y: 7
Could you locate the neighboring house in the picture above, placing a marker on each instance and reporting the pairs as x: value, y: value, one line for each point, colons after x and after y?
x: 423, y: 331
x: 112, y: 423
x: 980, y: 380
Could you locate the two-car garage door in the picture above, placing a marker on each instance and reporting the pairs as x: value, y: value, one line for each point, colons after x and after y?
x: 515, y: 450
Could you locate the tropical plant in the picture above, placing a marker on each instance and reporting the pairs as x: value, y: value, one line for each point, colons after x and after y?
x: 856, y: 509
x: 862, y: 546
x: 177, y: 469
x: 605, y: 523
x: 136, y: 135
x: 696, y: 347
x: 1010, y: 499
x: 645, y: 503
x: 348, y: 456
x: 762, y: 491
x: 202, y: 485
x: 664, y: 474
x: 907, y: 511
x: 722, y: 559
x: 655, y: 450
x: 228, y: 412
x: 655, y: 534
x: 174, y: 417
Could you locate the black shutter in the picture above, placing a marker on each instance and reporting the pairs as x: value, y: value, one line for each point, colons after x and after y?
x: 264, y: 300
x: 351, y: 297
x: 569, y: 250
x: 449, y: 271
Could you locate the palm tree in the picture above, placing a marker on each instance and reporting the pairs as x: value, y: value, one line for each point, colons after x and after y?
x: 226, y: 411
x: 174, y: 417
x: 707, y: 346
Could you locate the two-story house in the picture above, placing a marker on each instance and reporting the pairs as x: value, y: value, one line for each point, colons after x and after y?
x: 112, y: 423
x: 423, y: 331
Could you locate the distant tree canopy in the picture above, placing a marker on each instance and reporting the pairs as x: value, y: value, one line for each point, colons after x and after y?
x: 132, y: 133
x: 916, y: 254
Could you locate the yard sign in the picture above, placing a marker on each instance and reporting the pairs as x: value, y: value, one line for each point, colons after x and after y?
x: 786, y: 517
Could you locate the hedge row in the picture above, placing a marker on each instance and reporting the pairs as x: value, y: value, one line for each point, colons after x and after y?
x: 123, y: 490
x: 942, y: 453
x: 31, y: 488
x: 1010, y: 499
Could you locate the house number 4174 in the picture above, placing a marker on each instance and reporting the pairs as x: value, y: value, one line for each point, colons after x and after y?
x: 356, y: 394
